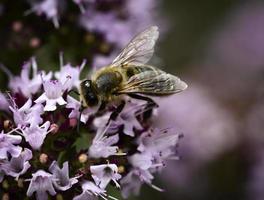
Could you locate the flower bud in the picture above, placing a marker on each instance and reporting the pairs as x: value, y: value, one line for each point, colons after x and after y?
x: 34, y: 42
x: 73, y: 122
x: 43, y: 158
x: 121, y: 169
x: 83, y: 158
x: 20, y: 183
x: 59, y: 197
x: 54, y: 128
x: 17, y: 26
x: 5, y: 184
x: 7, y: 124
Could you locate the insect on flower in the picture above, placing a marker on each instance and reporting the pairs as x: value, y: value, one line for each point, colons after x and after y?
x: 129, y: 74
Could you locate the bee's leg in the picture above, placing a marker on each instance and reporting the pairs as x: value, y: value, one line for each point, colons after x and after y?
x: 149, y: 107
x: 79, y: 118
x: 150, y: 101
x: 102, y: 106
x: 116, y: 112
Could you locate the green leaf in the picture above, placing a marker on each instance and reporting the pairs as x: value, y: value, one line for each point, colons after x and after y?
x: 82, y: 142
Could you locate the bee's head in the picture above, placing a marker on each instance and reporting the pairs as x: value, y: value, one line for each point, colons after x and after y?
x: 88, y: 94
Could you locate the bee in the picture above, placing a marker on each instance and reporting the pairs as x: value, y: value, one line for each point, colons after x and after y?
x: 130, y: 75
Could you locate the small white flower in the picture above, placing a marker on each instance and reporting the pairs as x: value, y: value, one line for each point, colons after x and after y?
x: 53, y: 91
x: 103, y: 174
x: 32, y: 83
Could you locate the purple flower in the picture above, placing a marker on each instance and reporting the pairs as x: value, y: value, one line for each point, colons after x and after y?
x: 35, y: 135
x: 53, y: 91
x: 157, y: 140
x: 91, y: 191
x: 27, y: 114
x: 48, y: 8
x: 8, y: 145
x: 108, y: 24
x: 209, y: 125
x: 103, y: 174
x: 3, y: 102
x: 133, y: 181
x: 101, y: 122
x: 75, y: 106
x: 101, y: 60
x: 101, y: 146
x: 18, y: 83
x: 61, y: 180
x: 17, y: 165
x: 41, y: 183
x: 128, y: 119
x: 156, y: 146
x: 69, y: 75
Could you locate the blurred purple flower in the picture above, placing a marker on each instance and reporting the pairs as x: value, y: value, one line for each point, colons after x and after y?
x: 53, y: 91
x: 8, y: 145
x: 41, y: 183
x: 102, y: 60
x: 33, y: 83
x: 49, y: 8
x: 116, y: 29
x: 61, y: 179
x: 35, y: 135
x: 254, y: 122
x: 208, y: 128
x: 3, y: 102
x: 103, y: 174
x: 256, y: 177
x: 132, y: 182
x: 17, y: 165
x: 237, y: 53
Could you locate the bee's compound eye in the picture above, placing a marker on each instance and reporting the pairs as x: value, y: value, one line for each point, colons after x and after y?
x: 87, y: 83
x: 89, y: 93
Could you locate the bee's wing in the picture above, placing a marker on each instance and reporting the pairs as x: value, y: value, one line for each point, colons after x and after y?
x: 153, y: 82
x: 140, y: 49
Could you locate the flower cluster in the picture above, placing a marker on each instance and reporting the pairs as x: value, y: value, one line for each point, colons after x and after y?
x: 116, y: 21
x: 42, y: 149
